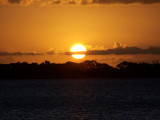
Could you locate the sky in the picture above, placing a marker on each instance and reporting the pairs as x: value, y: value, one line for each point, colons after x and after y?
x: 116, y: 30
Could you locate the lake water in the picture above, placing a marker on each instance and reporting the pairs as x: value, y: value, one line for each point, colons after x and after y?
x: 80, y: 99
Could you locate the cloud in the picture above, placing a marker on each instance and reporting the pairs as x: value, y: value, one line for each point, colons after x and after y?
x: 19, y: 2
x: 125, y: 1
x: 14, y: 1
x: 117, y: 45
x: 95, y: 47
x: 72, y: 2
x: 51, y: 51
x: 54, y: 2
x: 82, y: 2
x: 3, y: 53
x: 130, y: 50
x: 118, y: 49
x: 87, y: 2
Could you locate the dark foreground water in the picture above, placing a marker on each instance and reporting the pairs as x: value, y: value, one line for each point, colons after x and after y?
x: 87, y: 99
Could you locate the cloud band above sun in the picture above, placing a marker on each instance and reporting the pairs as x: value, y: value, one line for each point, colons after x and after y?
x: 74, y: 2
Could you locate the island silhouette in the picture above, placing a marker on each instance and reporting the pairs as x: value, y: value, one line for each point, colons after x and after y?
x: 86, y: 69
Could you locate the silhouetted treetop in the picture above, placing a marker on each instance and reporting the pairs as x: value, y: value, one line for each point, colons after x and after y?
x: 86, y: 69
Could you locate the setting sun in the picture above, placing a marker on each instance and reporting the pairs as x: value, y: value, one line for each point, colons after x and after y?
x: 78, y: 48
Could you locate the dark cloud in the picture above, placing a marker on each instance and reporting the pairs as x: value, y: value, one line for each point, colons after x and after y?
x: 56, y: 2
x: 119, y: 49
x: 131, y: 50
x: 125, y: 1
x: 3, y: 53
x: 14, y: 1
x: 82, y: 2
x: 50, y: 51
x: 20, y: 2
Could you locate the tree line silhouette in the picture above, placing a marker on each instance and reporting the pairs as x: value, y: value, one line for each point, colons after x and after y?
x: 86, y: 69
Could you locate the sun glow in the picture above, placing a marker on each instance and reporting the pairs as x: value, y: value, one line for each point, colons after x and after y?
x: 78, y: 48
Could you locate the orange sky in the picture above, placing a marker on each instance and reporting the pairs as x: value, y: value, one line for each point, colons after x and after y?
x: 39, y: 27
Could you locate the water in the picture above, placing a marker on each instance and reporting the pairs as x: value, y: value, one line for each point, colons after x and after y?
x: 77, y: 99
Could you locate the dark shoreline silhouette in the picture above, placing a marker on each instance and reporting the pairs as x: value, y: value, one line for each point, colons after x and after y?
x: 86, y: 69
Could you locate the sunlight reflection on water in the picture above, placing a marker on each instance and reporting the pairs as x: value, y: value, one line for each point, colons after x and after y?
x: 78, y: 56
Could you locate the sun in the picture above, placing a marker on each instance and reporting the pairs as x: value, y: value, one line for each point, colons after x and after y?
x: 76, y: 49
